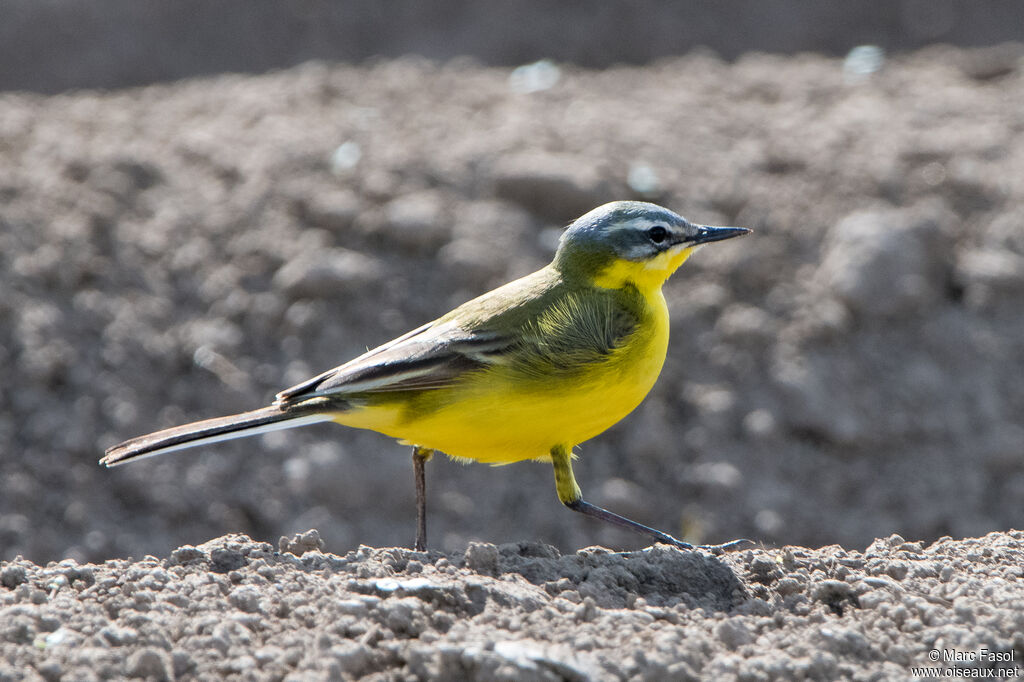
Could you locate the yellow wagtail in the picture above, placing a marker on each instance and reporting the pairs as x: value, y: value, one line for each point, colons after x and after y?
x: 526, y: 371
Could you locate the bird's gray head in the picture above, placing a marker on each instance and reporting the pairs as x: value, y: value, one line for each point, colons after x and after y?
x: 632, y: 231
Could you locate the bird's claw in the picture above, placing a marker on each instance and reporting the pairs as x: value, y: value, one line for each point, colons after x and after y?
x: 726, y: 546
x: 714, y: 549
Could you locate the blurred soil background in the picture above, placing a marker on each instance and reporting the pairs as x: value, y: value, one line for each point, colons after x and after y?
x: 179, y: 242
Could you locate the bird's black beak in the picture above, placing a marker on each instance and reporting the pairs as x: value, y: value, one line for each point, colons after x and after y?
x: 706, y: 233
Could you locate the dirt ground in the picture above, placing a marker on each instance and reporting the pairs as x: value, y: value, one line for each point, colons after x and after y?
x: 848, y: 372
x: 234, y: 609
x: 59, y: 45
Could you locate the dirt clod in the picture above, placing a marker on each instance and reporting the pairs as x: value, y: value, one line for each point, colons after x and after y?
x: 647, y: 614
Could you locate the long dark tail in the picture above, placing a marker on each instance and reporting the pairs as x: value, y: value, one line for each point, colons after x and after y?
x: 266, y: 419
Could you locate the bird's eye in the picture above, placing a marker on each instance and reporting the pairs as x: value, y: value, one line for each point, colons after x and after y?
x: 657, y: 234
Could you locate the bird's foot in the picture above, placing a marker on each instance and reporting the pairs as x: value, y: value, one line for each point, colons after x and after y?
x: 714, y: 549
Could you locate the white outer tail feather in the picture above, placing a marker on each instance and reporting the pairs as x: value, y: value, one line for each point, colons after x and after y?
x: 241, y: 433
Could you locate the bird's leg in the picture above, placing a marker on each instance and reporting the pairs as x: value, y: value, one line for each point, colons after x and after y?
x: 570, y: 495
x: 419, y: 457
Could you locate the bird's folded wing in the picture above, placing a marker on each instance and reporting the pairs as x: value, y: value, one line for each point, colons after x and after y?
x: 565, y: 335
x: 433, y: 356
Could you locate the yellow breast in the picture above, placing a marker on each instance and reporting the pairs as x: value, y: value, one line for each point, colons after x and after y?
x: 499, y: 417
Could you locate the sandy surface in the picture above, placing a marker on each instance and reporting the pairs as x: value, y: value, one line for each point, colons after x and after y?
x: 850, y: 371
x: 236, y: 609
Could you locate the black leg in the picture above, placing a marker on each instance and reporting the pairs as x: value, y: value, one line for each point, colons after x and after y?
x: 419, y: 457
x: 570, y: 495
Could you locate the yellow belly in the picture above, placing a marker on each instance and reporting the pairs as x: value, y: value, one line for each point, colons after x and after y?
x: 498, y: 417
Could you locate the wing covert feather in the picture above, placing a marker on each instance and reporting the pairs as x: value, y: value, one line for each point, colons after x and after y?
x: 536, y: 324
x: 433, y: 356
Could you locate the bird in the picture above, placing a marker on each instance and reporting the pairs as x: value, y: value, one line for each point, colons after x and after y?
x: 527, y: 371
